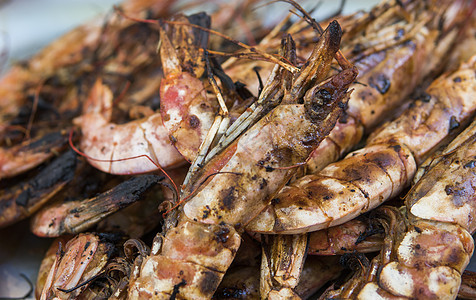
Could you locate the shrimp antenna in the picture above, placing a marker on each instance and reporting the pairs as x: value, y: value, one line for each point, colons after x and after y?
x: 33, y: 110
x: 82, y: 283
x: 343, y: 62
x: 263, y: 54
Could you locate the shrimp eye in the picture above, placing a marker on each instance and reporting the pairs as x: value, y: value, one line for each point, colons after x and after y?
x: 322, y: 97
x: 324, y: 94
x: 317, y: 103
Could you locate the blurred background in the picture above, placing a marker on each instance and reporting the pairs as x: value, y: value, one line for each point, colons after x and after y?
x: 28, y: 25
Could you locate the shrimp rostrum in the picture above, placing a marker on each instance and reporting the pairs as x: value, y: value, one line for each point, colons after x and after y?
x: 189, y: 259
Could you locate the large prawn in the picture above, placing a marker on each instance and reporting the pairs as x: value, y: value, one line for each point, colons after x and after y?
x: 191, y: 258
x: 391, y: 63
x: 369, y: 176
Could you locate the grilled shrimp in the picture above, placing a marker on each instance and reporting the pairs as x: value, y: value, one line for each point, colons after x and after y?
x: 186, y: 113
x: 191, y: 258
x: 41, y: 95
x: 106, y: 143
x: 71, y: 217
x: 67, y: 52
x: 426, y: 257
x: 27, y: 155
x: 243, y: 282
x: 83, y: 258
x: 391, y: 63
x: 367, y: 177
x: 23, y: 199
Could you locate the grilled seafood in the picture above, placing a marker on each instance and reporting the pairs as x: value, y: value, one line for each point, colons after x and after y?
x: 207, y: 176
x: 379, y: 171
x: 179, y: 266
x: 23, y: 199
x: 84, y: 258
x: 72, y: 217
x: 27, y: 155
x: 391, y: 63
x: 425, y: 256
x: 42, y: 95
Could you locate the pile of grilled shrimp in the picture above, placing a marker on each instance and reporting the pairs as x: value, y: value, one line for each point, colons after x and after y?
x: 210, y: 156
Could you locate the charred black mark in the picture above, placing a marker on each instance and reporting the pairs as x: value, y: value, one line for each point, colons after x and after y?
x: 269, y: 169
x: 228, y: 198
x: 61, y: 169
x: 263, y: 184
x: 208, y: 283
x: 381, y: 83
x: 22, y: 199
x: 418, y: 229
x: 425, y: 97
x: 126, y: 193
x: 193, y: 121
x: 206, y: 213
x: 86, y: 246
x: 357, y: 48
x: 222, y: 234
x: 46, y: 142
x: 457, y: 79
x: 176, y: 289
x: 335, y: 35
x: 453, y: 123
x: 396, y: 148
x: 458, y: 194
x: 275, y: 201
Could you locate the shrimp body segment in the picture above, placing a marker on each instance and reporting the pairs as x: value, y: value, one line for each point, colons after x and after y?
x: 108, y: 145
